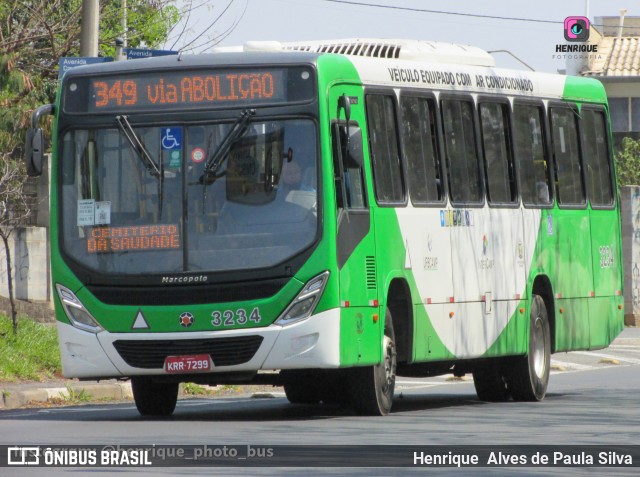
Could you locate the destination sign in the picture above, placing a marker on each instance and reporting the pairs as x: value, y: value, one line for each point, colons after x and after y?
x: 135, y: 91
x: 138, y: 238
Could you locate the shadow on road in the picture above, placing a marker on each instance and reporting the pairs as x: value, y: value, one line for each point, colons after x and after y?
x: 246, y: 409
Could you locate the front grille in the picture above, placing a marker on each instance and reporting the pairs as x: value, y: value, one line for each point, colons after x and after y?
x: 150, y: 354
x: 190, y: 294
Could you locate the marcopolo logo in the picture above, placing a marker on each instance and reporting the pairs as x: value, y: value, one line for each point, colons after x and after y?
x: 186, y: 319
x: 576, y: 28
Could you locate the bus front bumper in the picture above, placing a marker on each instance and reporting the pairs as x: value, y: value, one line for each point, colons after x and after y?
x: 311, y: 343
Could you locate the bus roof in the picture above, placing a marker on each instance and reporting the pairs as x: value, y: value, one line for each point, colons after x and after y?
x: 416, y: 50
x: 384, y: 62
x: 438, y: 65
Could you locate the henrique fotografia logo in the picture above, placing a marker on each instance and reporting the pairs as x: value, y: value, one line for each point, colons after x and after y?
x: 576, y: 28
x: 576, y: 32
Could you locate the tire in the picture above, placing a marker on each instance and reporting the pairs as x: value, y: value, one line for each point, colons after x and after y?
x: 528, y: 376
x: 490, y: 383
x: 301, y: 386
x: 371, y: 387
x: 334, y: 388
x: 154, y: 398
x: 301, y: 393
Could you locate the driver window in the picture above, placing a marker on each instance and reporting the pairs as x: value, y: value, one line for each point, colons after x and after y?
x: 348, y: 173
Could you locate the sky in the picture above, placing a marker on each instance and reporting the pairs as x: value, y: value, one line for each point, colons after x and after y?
x: 534, y: 42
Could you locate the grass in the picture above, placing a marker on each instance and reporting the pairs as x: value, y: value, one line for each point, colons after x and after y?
x: 192, y: 389
x: 73, y: 396
x: 31, y: 354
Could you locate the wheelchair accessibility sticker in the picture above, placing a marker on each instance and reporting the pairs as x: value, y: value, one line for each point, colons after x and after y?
x: 171, y: 139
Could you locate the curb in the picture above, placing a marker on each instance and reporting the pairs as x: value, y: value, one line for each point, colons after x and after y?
x: 72, y: 394
x: 17, y: 396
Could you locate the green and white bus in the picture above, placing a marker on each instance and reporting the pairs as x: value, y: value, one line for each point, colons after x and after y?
x: 326, y: 216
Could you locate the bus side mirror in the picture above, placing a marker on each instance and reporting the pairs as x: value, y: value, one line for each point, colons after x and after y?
x: 34, y: 142
x: 34, y: 151
x: 345, y: 103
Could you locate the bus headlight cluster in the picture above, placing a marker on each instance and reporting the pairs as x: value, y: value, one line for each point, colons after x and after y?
x: 305, y: 302
x: 76, y: 312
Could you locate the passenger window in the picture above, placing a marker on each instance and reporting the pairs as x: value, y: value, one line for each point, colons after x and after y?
x: 385, y: 156
x: 496, y: 146
x: 597, y: 158
x: 566, y: 152
x: 461, y: 152
x: 421, y: 150
x: 532, y: 162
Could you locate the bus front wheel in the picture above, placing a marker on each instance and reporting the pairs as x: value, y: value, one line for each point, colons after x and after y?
x: 489, y: 382
x: 372, y: 386
x: 301, y: 393
x: 528, y: 376
x: 154, y: 398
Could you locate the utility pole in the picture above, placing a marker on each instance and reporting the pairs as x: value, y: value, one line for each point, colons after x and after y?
x: 124, y: 22
x: 89, y: 35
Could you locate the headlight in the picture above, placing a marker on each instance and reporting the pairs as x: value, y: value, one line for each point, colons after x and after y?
x: 305, y: 302
x: 76, y: 312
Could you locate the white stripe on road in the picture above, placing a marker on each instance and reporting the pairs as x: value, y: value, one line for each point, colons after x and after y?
x: 608, y: 356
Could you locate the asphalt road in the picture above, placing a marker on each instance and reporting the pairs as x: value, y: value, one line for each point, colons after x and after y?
x: 593, y: 399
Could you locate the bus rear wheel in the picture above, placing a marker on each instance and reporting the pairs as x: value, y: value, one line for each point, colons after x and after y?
x: 528, y: 376
x: 372, y: 386
x: 154, y: 398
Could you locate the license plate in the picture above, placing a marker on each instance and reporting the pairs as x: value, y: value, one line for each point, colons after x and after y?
x: 195, y: 363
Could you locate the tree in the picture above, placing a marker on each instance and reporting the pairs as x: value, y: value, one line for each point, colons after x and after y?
x: 628, y: 162
x: 13, y: 212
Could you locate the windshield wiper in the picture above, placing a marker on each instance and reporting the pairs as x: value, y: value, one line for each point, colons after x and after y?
x: 138, y: 147
x: 215, y: 159
x: 141, y: 151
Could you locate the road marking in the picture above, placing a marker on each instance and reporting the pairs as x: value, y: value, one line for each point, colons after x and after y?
x: 608, y: 356
x: 570, y: 365
x: 632, y: 347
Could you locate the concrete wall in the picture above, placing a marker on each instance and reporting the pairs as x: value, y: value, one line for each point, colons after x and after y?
x: 41, y: 312
x: 630, y: 216
x: 29, y: 248
x: 30, y: 262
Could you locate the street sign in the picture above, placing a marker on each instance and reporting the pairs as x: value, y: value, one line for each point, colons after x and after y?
x: 67, y: 62
x: 136, y: 53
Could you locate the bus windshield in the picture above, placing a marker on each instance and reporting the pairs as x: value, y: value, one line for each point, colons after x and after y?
x: 163, y: 199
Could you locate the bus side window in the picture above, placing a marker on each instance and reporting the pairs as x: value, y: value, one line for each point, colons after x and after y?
x: 421, y: 150
x: 384, y: 150
x: 347, y: 166
x: 531, y: 154
x: 498, y: 158
x: 566, y: 152
x: 598, y: 161
x: 465, y: 184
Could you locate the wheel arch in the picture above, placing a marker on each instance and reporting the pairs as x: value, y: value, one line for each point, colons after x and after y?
x: 542, y: 286
x: 400, y: 305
